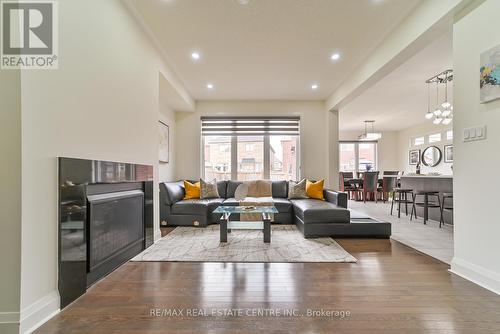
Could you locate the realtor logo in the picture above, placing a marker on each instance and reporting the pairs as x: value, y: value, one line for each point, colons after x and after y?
x: 29, y: 34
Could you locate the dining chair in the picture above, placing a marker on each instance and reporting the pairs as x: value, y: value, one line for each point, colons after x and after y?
x: 344, y: 183
x: 389, y: 183
x: 370, y: 185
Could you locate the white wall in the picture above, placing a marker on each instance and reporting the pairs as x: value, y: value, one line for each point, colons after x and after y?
x: 477, y: 227
x: 387, y: 148
x: 102, y: 103
x: 166, y: 170
x: 314, y: 134
x: 10, y: 200
x: 404, y: 145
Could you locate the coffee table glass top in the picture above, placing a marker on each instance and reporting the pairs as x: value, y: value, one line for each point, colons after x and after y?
x: 245, y: 209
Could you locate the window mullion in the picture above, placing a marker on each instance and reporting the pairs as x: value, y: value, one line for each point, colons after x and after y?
x: 267, y: 158
x: 234, y: 157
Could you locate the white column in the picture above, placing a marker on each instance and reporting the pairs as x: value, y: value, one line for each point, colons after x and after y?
x: 333, y: 148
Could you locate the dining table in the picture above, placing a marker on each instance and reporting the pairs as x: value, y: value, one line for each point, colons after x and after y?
x: 357, y: 183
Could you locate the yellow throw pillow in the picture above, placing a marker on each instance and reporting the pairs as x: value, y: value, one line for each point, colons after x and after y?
x: 192, y: 190
x: 315, y: 189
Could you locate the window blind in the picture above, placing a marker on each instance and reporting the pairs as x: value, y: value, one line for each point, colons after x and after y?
x: 250, y: 126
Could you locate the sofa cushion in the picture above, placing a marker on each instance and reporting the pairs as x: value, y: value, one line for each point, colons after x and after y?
x: 297, y: 190
x: 231, y: 188
x: 196, y: 206
x: 280, y: 189
x: 282, y: 204
x: 315, y: 189
x: 221, y: 188
x: 174, y: 191
x: 208, y: 189
x: 231, y: 202
x: 317, y: 211
x: 191, y: 190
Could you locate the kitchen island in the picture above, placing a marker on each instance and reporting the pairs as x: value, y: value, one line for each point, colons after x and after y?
x: 440, y: 183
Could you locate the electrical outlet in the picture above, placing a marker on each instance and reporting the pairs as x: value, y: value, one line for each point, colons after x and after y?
x: 474, y: 133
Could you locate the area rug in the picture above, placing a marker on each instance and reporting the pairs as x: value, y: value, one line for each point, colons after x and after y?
x: 193, y: 244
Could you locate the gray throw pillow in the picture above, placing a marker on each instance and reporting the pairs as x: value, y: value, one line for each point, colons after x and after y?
x: 208, y: 189
x: 297, y: 190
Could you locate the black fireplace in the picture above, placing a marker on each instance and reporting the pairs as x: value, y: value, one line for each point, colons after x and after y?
x: 105, y: 218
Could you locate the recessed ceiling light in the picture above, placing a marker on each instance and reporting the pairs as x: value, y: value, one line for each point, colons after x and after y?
x: 335, y: 56
x: 314, y: 86
x: 210, y: 86
x: 195, y: 55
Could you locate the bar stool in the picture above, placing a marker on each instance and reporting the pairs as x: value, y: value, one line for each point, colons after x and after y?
x: 444, y: 208
x: 401, y: 196
x: 425, y: 204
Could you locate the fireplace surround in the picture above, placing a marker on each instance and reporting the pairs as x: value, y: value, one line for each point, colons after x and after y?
x: 105, y: 218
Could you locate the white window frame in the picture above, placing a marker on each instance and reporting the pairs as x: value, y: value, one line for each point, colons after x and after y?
x: 435, y: 134
x: 356, y: 152
x: 444, y: 139
x: 266, y: 159
x: 413, y: 140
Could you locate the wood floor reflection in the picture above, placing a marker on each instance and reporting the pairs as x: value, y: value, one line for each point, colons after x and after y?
x: 392, y: 289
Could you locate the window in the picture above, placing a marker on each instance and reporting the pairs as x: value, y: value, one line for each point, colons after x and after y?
x: 347, y: 157
x: 418, y: 141
x: 250, y: 148
x: 250, y: 157
x: 217, y: 157
x: 449, y: 135
x: 283, y: 157
x: 434, y: 138
x: 358, y: 156
x: 224, y: 148
x: 367, y: 154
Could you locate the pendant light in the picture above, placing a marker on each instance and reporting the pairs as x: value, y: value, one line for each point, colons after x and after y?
x: 429, y: 114
x: 446, y: 104
x: 443, y: 113
x: 437, y: 111
x: 370, y: 135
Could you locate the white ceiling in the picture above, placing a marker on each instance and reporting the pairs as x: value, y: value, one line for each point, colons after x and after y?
x: 269, y: 49
x: 399, y: 100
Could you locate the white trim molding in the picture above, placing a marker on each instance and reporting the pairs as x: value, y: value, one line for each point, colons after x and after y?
x: 476, y: 274
x: 9, y: 317
x: 157, y: 235
x: 36, y: 314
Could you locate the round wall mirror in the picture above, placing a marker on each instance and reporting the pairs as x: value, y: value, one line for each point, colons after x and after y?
x: 431, y: 156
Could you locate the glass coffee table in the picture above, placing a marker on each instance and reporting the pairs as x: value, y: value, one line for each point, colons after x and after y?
x: 263, y: 224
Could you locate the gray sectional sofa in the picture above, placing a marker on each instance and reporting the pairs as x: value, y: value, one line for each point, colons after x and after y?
x: 314, y: 218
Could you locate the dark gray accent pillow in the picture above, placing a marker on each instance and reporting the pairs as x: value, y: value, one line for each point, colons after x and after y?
x: 297, y: 190
x: 208, y: 189
x: 231, y: 188
x: 221, y: 188
x: 280, y: 189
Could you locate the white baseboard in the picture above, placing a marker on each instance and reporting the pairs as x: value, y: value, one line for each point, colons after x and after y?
x: 36, y: 314
x: 9, y: 317
x: 481, y: 276
x: 157, y: 234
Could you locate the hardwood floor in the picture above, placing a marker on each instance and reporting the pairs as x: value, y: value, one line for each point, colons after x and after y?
x: 392, y: 289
